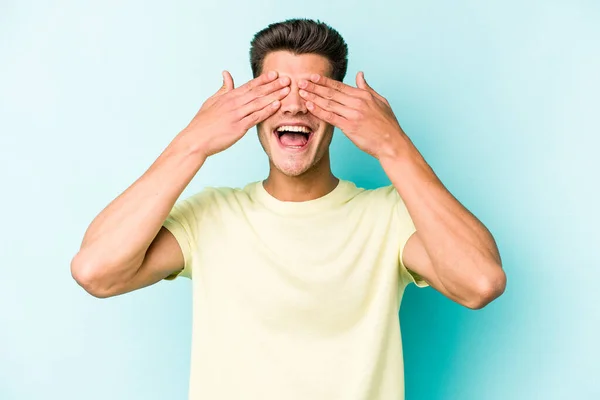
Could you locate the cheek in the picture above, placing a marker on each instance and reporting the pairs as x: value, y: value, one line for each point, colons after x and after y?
x: 261, y: 129
x: 327, y: 131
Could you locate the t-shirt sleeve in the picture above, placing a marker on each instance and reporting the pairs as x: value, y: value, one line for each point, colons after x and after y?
x: 406, y: 230
x: 183, y: 222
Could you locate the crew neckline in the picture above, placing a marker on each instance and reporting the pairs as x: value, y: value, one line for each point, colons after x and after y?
x: 336, y: 196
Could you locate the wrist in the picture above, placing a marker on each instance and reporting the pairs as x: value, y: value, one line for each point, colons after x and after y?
x: 407, y: 169
x: 401, y: 153
x: 189, y: 143
x: 396, y: 146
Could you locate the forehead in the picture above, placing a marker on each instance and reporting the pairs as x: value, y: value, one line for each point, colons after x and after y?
x: 296, y: 65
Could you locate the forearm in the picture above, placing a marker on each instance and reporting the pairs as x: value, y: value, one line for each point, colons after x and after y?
x: 462, y: 251
x: 451, y: 246
x: 116, y: 241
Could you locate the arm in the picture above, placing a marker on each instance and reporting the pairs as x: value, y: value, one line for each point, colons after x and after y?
x: 451, y: 249
x: 115, y: 255
x: 125, y: 247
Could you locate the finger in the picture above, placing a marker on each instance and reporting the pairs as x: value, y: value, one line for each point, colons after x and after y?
x: 329, y: 93
x: 259, y: 116
x: 327, y: 116
x: 261, y: 102
x: 337, y: 85
x: 228, y: 81
x: 327, y: 104
x: 361, y: 83
x: 227, y: 85
x: 258, y: 81
x: 265, y: 90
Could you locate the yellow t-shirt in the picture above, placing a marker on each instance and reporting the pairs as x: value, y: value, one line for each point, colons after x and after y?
x: 295, y: 300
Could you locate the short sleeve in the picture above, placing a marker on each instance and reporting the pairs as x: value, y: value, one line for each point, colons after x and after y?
x: 406, y: 230
x: 183, y: 222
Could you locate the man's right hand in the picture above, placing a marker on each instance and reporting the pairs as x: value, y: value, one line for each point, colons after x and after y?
x: 226, y: 116
x: 126, y: 247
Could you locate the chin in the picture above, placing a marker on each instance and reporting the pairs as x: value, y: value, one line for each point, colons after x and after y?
x: 291, y: 168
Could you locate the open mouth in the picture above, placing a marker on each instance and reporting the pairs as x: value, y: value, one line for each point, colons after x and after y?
x: 292, y: 136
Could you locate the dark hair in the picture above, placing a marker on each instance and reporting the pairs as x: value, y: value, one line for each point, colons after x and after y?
x: 301, y: 36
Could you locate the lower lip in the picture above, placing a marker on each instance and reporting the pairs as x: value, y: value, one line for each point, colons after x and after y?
x: 293, y: 148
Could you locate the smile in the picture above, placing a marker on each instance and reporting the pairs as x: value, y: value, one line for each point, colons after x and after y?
x: 293, y: 137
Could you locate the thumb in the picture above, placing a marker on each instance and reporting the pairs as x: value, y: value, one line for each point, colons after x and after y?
x: 227, y: 82
x: 361, y: 83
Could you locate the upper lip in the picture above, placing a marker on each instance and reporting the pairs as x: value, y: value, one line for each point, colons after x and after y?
x: 294, y: 124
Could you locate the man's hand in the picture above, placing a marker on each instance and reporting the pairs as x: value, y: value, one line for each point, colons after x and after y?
x: 360, y: 112
x: 226, y: 116
x: 447, y: 234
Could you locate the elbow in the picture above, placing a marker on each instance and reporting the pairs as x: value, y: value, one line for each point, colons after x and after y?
x: 488, y: 288
x: 86, y: 275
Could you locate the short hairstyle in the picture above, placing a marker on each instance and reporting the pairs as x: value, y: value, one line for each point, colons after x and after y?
x: 300, y: 36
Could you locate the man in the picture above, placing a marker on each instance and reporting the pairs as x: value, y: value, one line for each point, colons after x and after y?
x: 297, y: 279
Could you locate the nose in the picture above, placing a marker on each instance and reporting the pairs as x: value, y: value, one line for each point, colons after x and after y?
x: 293, y: 103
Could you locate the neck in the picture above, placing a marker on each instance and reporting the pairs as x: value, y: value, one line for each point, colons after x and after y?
x: 312, y: 184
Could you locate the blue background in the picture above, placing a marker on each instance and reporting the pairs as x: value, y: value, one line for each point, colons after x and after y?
x: 500, y: 97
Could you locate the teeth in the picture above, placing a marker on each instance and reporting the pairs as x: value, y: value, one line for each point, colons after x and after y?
x: 288, y: 128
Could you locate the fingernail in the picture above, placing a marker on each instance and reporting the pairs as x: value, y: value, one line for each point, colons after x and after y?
x: 272, y: 75
x: 310, y: 105
x: 285, y: 90
x: 302, y: 83
x: 284, y: 80
x: 314, y: 77
x: 303, y: 93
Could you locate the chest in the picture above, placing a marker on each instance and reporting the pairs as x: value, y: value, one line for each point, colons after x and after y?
x: 322, y: 272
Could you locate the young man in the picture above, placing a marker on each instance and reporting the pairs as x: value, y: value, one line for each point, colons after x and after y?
x: 297, y: 279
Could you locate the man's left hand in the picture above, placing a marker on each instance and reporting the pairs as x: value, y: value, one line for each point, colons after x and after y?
x: 360, y: 112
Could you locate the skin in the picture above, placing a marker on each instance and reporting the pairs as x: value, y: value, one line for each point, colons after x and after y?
x: 297, y: 176
x: 126, y: 248
x: 451, y: 249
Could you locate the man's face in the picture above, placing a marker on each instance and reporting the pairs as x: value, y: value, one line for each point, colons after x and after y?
x: 294, y: 139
